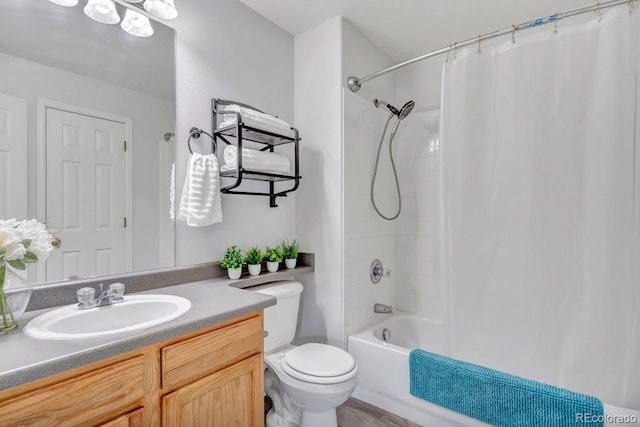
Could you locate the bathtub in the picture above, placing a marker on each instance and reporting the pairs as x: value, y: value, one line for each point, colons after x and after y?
x: 383, y: 373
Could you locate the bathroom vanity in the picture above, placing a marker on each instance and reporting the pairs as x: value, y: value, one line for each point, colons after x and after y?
x: 204, y: 368
x: 212, y: 375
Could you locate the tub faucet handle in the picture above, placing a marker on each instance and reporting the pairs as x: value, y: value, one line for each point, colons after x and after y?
x: 377, y: 271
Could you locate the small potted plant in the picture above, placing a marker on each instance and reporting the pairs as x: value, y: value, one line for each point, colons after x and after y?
x: 290, y: 253
x: 254, y: 257
x: 274, y: 258
x: 233, y: 262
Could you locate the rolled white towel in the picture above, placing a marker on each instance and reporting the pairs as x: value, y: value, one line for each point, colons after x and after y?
x: 256, y: 160
x: 257, y: 120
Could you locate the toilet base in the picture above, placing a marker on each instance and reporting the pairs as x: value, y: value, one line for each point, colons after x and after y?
x: 319, y: 419
x: 309, y: 419
x: 275, y: 420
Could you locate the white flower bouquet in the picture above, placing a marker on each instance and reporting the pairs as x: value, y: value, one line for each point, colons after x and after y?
x: 21, y: 243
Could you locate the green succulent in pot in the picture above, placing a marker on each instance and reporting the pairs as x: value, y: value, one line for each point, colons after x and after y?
x: 254, y: 257
x: 273, y: 254
x: 290, y: 252
x: 274, y: 257
x: 233, y: 262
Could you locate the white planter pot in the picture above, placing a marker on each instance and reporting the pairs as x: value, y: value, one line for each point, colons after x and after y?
x: 234, y: 273
x: 272, y: 266
x: 254, y: 269
x: 290, y: 263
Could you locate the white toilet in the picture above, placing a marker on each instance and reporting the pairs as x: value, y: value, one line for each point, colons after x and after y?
x: 305, y: 383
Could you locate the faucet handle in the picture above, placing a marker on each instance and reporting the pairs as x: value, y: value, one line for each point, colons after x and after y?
x: 386, y: 272
x: 117, y: 289
x: 116, y: 292
x: 85, y: 295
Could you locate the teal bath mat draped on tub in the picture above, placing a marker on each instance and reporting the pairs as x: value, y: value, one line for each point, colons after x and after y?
x: 496, y: 397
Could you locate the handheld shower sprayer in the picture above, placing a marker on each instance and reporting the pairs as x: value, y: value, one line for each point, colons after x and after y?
x: 402, y: 113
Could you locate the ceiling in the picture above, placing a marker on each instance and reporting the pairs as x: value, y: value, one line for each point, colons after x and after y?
x: 404, y: 29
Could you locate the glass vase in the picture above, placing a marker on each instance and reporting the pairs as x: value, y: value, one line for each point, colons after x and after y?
x: 15, y: 292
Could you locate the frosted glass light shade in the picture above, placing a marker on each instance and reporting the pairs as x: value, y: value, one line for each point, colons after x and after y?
x: 67, y: 3
x: 163, y: 9
x: 102, y: 11
x: 136, y: 24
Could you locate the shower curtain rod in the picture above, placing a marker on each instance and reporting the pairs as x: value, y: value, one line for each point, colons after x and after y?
x: 355, y: 83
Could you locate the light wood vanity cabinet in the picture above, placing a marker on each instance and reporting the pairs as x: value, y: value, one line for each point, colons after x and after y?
x: 132, y: 419
x: 212, y: 377
x: 228, y: 398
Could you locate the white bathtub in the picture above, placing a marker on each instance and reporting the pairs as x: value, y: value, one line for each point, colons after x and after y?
x: 383, y: 373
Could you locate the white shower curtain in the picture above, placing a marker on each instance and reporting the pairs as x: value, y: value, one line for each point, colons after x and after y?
x: 540, y: 184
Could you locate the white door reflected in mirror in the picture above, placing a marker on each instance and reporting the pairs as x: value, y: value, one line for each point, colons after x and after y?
x: 13, y: 157
x: 86, y: 194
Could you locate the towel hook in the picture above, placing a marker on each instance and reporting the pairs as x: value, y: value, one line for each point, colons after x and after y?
x: 195, y: 133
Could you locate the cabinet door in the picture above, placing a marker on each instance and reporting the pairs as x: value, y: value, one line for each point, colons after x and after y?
x: 132, y: 419
x: 231, y: 397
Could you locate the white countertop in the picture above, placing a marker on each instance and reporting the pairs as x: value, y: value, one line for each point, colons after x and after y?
x: 25, y: 359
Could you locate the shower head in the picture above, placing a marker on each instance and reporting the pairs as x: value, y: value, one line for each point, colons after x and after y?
x: 406, y: 109
x: 402, y: 113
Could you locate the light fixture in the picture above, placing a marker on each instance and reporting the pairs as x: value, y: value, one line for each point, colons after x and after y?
x: 163, y: 9
x: 67, y: 3
x: 102, y: 11
x: 136, y: 19
x: 136, y: 24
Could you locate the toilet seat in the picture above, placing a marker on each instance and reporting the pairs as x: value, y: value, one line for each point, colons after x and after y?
x: 319, y: 364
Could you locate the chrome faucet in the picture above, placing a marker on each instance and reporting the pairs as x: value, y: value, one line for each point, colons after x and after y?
x: 112, y: 295
x: 382, y: 308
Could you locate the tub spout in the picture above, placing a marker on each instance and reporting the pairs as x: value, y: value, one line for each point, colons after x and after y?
x: 382, y: 308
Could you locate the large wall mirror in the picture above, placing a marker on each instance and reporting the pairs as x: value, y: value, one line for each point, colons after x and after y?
x: 87, y: 117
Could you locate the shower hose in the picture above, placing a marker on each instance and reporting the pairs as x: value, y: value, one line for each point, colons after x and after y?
x: 393, y: 166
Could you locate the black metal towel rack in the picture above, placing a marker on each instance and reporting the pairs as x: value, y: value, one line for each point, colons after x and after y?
x: 242, y: 133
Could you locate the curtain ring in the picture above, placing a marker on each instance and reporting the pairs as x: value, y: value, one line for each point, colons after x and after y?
x: 448, y: 52
x: 555, y: 24
x: 479, y: 44
x: 599, y: 12
x: 455, y: 50
x: 513, y: 34
x: 631, y: 7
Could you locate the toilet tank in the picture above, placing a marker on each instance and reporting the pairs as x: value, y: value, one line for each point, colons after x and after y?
x: 280, y: 320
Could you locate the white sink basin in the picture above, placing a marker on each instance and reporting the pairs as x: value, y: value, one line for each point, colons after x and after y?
x: 135, y: 313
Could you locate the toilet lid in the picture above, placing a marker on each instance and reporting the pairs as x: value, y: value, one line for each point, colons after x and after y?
x: 320, y: 360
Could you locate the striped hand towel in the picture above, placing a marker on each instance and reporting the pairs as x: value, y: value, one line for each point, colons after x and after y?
x: 200, y: 201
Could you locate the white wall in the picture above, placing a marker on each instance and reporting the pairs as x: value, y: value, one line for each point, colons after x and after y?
x: 421, y: 82
x: 151, y: 117
x: 366, y: 235
x: 409, y: 245
x: 319, y: 219
x: 226, y: 50
x: 418, y: 288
